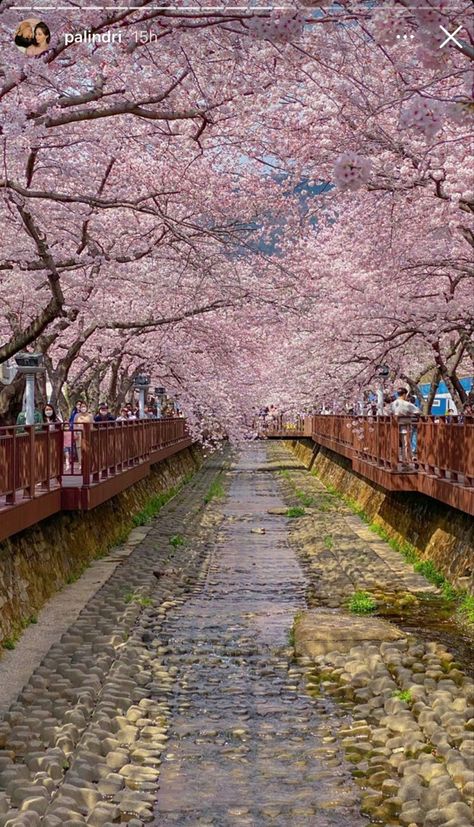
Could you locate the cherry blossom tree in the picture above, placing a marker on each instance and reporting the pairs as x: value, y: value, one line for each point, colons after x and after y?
x: 219, y: 190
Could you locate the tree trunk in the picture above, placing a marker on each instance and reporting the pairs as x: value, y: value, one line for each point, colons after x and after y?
x: 432, y: 392
x: 11, y: 400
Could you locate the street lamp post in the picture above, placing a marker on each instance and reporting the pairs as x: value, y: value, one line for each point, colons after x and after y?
x: 160, y: 395
x: 142, y: 383
x: 30, y: 364
x: 382, y: 373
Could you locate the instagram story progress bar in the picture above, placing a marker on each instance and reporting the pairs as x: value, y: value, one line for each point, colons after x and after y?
x: 192, y: 7
x: 152, y: 7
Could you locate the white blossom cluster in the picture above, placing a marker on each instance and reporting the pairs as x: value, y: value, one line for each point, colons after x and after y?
x: 422, y: 115
x: 351, y: 171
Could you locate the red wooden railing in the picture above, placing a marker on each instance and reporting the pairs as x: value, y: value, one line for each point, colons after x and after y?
x: 102, y: 450
x: 30, y: 461
x: 279, y: 426
x: 380, y: 448
x: 37, y: 461
x: 445, y: 447
x: 39, y: 476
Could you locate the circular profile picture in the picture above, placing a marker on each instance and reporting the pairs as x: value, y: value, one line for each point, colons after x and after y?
x: 32, y: 37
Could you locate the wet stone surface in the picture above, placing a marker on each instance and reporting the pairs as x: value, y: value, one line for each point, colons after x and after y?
x: 81, y: 744
x: 175, y: 699
x: 248, y: 746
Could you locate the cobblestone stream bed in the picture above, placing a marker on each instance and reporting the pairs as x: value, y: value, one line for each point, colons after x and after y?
x: 411, y: 701
x: 248, y: 746
x: 175, y: 698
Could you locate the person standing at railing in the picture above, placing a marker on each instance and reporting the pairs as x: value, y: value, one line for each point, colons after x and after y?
x: 67, y: 447
x: 450, y: 413
x: 21, y: 420
x: 468, y: 409
x: 387, y: 404
x: 414, y: 429
x: 82, y: 418
x: 76, y: 410
x: 123, y: 416
x: 49, y: 415
x: 103, y: 414
x: 405, y: 411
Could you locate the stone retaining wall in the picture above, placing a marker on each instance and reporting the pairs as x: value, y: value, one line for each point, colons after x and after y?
x: 39, y: 561
x: 438, y: 532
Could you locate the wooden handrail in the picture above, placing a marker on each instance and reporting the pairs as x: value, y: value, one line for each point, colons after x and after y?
x: 381, y: 449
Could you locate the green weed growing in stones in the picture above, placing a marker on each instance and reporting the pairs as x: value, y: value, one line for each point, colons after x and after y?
x: 403, y: 695
x: 362, y: 603
x: 177, y: 540
x: 32, y: 619
x: 465, y: 602
x: 216, y: 490
x: 428, y: 569
x: 291, y: 630
x: 305, y: 499
x: 157, y: 501
x: 449, y: 592
x: 153, y: 506
x: 424, y: 567
x: 132, y: 597
x: 8, y: 643
x: 121, y: 538
x: 466, y: 607
x: 74, y: 577
x: 328, y: 542
x: 142, y: 601
x: 295, y: 511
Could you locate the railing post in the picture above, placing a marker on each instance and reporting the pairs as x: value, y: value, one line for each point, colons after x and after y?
x: 468, y: 451
x: 46, y: 483
x: 104, y: 460
x: 380, y: 430
x: 11, y: 497
x: 86, y: 453
x: 394, y: 453
x: 62, y: 453
x: 32, y: 460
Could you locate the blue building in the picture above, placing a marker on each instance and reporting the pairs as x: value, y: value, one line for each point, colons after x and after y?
x: 443, y: 400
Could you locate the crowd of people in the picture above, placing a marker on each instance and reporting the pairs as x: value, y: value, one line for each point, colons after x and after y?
x: 400, y: 404
x: 81, y: 413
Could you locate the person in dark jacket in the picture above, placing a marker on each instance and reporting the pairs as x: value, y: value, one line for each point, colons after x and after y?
x: 104, y: 414
x: 77, y: 409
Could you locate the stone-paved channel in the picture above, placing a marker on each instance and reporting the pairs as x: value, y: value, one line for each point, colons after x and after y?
x: 248, y: 746
x: 174, y: 698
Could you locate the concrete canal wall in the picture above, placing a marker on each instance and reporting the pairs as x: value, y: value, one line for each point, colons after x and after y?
x: 39, y: 561
x: 438, y: 532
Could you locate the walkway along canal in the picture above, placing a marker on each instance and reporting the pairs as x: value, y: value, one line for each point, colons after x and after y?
x: 175, y: 698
